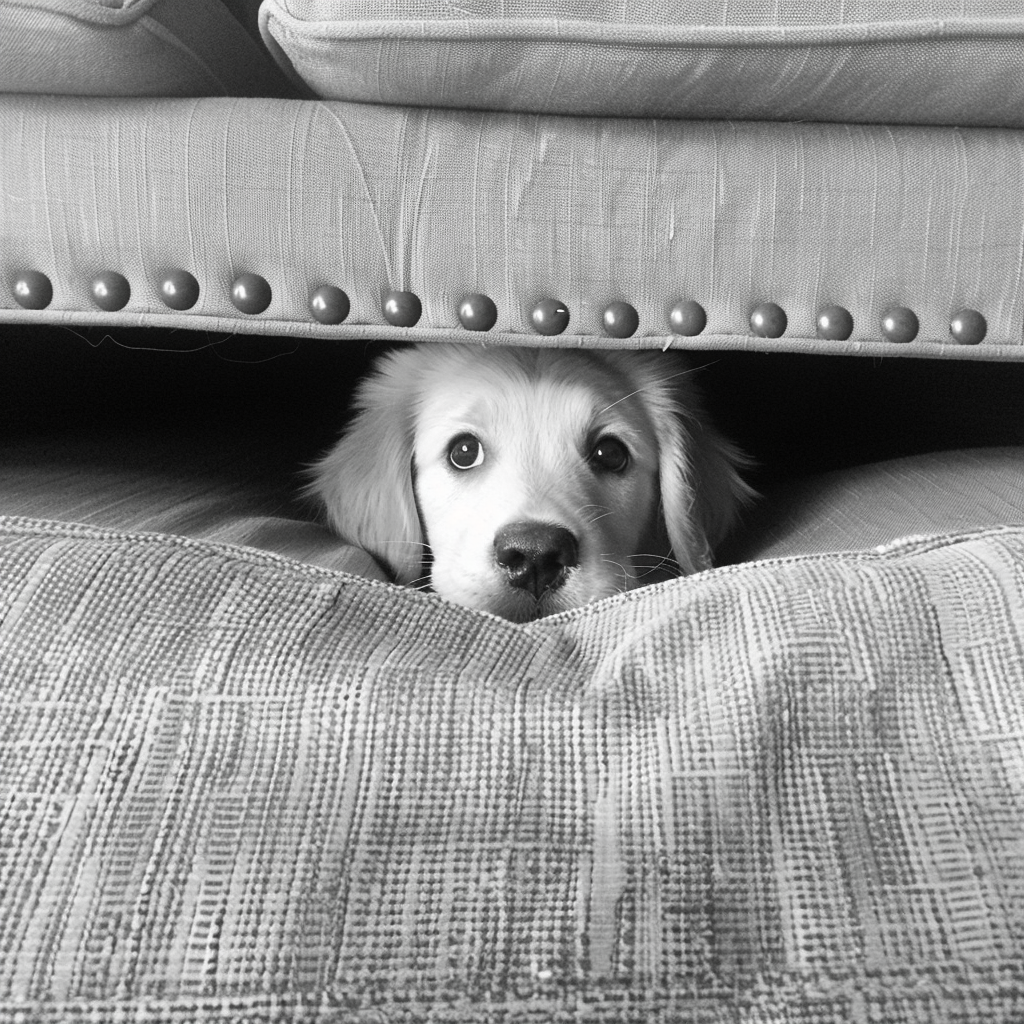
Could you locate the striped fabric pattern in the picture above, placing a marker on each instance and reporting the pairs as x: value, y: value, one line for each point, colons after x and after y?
x: 236, y: 787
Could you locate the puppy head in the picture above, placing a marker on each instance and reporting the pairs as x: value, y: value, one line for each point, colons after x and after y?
x: 539, y: 479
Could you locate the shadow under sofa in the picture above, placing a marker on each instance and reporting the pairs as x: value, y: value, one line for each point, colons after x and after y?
x: 243, y: 777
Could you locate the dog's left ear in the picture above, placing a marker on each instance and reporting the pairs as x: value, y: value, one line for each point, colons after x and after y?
x: 365, y: 481
x: 701, y: 489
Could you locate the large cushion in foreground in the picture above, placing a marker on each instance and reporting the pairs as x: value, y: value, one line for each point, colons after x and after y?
x: 237, y: 787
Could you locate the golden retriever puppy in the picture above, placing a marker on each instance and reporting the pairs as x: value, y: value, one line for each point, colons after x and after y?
x: 528, y: 481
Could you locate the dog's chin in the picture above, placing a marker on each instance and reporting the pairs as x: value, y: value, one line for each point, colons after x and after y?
x: 517, y: 606
x: 497, y: 596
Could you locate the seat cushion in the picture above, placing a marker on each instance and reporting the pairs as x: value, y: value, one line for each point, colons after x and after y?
x: 237, y: 786
x: 166, y: 433
x: 938, y: 62
x: 131, y: 48
x: 191, y: 483
x: 874, y: 504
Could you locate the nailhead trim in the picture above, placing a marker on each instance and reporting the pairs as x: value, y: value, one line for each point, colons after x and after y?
x: 251, y: 294
x: 110, y: 291
x: 550, y: 317
x: 179, y: 290
x: 32, y: 290
x: 328, y: 304
x: 768, y: 320
x: 834, y: 323
x: 402, y: 309
x: 968, y: 327
x: 478, y: 312
x: 687, y: 318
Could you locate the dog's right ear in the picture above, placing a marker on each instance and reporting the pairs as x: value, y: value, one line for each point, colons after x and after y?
x: 365, y: 481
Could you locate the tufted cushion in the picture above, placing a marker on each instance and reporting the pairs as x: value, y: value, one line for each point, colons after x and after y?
x: 936, y: 62
x: 235, y: 787
x: 130, y: 48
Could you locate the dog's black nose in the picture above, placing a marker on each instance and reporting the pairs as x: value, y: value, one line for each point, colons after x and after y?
x: 535, y: 556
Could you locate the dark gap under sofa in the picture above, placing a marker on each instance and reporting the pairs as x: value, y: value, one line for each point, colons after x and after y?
x: 243, y: 777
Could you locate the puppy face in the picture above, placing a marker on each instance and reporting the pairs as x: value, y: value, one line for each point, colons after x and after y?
x: 537, y: 486
x: 537, y: 479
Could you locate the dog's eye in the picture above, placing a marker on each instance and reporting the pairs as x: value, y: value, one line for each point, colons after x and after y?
x: 609, y: 455
x: 466, y: 452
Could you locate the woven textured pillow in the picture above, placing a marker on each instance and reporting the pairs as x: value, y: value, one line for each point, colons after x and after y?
x: 937, y: 62
x: 130, y: 48
x: 236, y: 787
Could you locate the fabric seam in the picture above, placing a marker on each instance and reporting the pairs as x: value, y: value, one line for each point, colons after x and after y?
x: 26, y: 526
x: 554, y: 30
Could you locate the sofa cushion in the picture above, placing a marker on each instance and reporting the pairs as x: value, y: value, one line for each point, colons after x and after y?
x: 189, y: 482
x: 940, y: 62
x: 131, y: 48
x: 232, y: 786
x: 876, y: 503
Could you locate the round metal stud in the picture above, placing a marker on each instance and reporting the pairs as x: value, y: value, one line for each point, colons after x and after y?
x: 968, y: 327
x: 329, y: 305
x: 250, y: 294
x: 478, y: 312
x: 768, y: 320
x: 550, y: 317
x: 32, y: 290
x: 179, y: 290
x: 402, y: 309
x: 834, y: 323
x: 621, y: 320
x: 687, y: 318
x: 110, y: 291
x: 900, y: 324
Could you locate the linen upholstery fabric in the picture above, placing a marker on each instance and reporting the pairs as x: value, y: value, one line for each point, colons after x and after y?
x: 518, y: 207
x: 131, y: 48
x: 869, y: 505
x: 182, y: 483
x: 933, y: 62
x: 232, y: 786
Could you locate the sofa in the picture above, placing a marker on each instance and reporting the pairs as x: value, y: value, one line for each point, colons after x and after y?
x: 245, y: 777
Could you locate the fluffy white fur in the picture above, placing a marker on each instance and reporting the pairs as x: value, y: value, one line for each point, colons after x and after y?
x: 391, y: 487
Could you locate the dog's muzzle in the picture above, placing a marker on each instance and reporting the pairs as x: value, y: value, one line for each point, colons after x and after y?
x: 536, y: 556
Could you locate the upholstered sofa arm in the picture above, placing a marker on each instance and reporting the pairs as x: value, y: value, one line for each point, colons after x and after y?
x: 235, y: 215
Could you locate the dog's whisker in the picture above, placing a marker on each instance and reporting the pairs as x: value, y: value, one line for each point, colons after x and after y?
x: 603, y: 511
x: 660, y: 382
x: 622, y: 570
x: 657, y: 556
x: 657, y: 564
x: 407, y: 543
